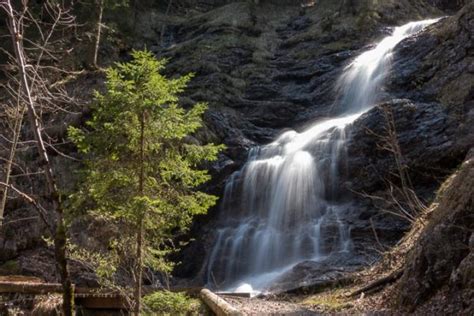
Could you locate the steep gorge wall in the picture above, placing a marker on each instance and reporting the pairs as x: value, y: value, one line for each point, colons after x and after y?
x: 277, y: 68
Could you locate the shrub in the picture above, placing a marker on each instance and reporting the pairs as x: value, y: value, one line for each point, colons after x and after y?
x: 165, y: 302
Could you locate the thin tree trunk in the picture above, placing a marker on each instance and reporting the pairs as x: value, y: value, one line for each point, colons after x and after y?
x: 135, y: 15
x: 163, y: 27
x: 16, y: 135
x: 60, y: 233
x: 139, y: 253
x: 98, y: 33
x: 139, y: 269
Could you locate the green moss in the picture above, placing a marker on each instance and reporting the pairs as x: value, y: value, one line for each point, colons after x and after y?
x: 367, y: 20
x: 338, y: 46
x: 234, y: 14
x: 333, y: 301
x: 10, y: 267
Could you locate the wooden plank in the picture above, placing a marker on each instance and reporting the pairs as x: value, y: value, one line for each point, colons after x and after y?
x: 94, y: 298
x: 30, y: 287
x: 20, y: 278
x: 35, y: 287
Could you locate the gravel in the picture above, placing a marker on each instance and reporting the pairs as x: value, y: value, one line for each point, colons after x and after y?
x: 262, y: 306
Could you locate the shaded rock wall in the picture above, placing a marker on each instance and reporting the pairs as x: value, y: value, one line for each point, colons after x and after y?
x: 449, y: 5
x: 277, y: 68
x: 428, y: 137
x: 434, y: 121
x: 443, y: 257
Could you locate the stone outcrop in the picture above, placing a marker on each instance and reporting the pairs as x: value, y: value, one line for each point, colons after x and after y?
x: 428, y: 137
x: 434, y: 122
x: 282, y: 74
x: 442, y: 261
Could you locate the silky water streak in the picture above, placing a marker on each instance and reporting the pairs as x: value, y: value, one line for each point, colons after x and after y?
x: 276, y: 207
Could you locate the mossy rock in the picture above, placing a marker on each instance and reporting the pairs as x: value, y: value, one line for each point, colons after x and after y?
x: 10, y: 267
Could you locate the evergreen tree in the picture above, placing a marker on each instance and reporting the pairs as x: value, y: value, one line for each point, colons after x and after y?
x: 140, y: 171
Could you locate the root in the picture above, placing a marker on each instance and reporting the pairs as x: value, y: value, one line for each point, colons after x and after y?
x: 377, y: 285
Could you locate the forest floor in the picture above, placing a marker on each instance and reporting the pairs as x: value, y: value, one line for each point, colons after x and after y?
x: 259, y: 306
x: 336, y: 302
x: 328, y: 302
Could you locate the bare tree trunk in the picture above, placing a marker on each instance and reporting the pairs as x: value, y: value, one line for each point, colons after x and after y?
x: 60, y: 232
x: 11, y: 156
x: 139, y: 252
x: 98, y: 33
x: 139, y: 269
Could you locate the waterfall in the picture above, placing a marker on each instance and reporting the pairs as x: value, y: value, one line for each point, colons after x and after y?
x: 274, y: 208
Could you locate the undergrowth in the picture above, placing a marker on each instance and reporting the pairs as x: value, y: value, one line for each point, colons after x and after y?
x: 171, y: 303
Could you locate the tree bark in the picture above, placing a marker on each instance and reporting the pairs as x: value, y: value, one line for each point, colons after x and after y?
x: 60, y: 232
x: 98, y: 33
x: 139, y: 269
x: 11, y: 156
x: 139, y: 244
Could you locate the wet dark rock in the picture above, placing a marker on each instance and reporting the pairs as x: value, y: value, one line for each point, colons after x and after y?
x: 428, y: 137
x: 293, y: 84
x: 449, y: 5
x: 431, y: 145
x: 316, y: 275
x: 435, y: 65
x: 20, y: 230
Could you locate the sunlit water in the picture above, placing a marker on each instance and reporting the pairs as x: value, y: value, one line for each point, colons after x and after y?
x: 275, y: 207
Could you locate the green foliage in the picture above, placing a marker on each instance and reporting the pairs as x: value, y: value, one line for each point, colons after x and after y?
x: 10, y: 267
x: 169, y: 303
x: 139, y: 170
x: 116, y: 4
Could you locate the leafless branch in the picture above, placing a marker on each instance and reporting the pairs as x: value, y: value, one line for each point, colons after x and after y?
x: 41, y: 211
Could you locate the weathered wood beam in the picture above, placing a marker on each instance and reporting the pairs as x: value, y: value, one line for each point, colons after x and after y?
x: 30, y: 287
x: 218, y: 305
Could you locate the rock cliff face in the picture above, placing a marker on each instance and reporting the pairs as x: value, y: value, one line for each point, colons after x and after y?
x: 265, y: 66
x: 441, y: 265
x: 271, y: 67
x: 439, y: 270
x: 435, y: 121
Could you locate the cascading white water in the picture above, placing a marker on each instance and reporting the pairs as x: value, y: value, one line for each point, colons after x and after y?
x: 275, y: 206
